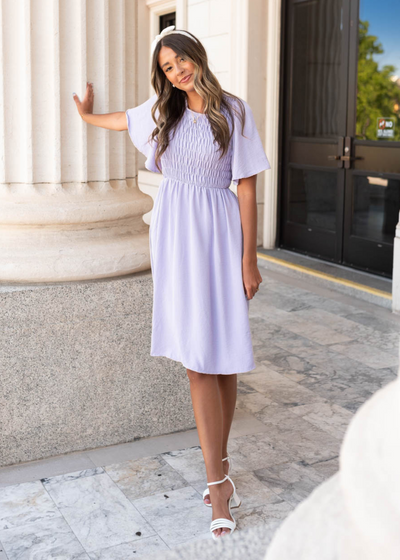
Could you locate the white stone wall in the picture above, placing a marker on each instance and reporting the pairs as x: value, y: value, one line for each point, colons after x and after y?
x: 210, y: 21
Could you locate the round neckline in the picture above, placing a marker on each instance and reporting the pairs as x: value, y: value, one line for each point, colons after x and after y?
x: 191, y: 110
x: 195, y: 112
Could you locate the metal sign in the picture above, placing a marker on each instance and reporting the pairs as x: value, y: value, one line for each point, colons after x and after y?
x: 385, y: 128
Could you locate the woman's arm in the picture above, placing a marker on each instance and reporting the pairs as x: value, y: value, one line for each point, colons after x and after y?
x: 246, y: 190
x: 111, y: 121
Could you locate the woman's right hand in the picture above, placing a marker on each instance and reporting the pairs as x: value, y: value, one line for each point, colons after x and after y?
x: 110, y: 121
x: 86, y: 105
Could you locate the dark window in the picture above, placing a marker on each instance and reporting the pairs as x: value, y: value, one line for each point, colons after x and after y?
x: 166, y: 20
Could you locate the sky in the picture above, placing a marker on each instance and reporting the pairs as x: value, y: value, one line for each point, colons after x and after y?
x: 384, y: 20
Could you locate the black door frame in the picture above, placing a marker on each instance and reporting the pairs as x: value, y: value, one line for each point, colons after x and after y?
x: 348, y: 113
x: 385, y: 152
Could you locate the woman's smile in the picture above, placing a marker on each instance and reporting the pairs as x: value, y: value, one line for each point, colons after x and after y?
x: 186, y: 79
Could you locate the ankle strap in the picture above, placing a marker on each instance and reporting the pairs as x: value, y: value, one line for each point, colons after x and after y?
x: 218, y: 481
x: 229, y: 459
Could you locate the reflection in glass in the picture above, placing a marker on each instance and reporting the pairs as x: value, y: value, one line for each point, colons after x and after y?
x: 375, y: 208
x: 316, y: 64
x: 312, y: 198
x: 378, y: 87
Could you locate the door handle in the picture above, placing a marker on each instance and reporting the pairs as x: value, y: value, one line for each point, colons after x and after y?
x: 344, y: 147
x: 340, y: 150
x: 344, y: 158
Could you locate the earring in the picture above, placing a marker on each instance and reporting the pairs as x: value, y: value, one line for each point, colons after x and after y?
x: 173, y: 85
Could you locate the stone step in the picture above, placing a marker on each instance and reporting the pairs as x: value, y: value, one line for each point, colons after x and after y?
x: 362, y: 285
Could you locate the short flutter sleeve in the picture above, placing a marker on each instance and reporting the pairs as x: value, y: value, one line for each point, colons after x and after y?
x: 248, y: 155
x: 140, y: 126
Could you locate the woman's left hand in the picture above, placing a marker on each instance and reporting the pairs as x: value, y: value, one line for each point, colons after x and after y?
x: 251, y: 277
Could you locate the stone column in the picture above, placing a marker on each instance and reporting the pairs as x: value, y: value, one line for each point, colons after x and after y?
x: 70, y: 207
x: 272, y: 122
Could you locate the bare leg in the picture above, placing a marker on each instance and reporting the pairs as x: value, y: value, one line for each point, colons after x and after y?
x: 228, y: 390
x: 207, y: 408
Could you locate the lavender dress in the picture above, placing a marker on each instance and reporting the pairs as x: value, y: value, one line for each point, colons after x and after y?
x: 200, y: 309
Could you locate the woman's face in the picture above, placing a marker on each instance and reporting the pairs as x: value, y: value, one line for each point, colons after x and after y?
x: 176, y: 68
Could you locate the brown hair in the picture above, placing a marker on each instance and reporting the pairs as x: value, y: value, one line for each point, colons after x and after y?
x: 171, y: 102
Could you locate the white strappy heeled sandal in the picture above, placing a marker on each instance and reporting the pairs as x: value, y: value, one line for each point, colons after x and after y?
x: 221, y: 521
x: 236, y: 502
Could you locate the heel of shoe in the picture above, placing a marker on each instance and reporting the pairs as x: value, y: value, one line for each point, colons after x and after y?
x: 235, y: 500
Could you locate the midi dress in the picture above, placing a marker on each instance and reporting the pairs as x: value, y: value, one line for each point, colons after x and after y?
x: 200, y: 314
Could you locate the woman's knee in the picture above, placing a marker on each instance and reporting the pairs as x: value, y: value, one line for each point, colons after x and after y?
x: 195, y: 376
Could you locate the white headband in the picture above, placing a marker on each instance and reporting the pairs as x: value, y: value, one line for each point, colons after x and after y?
x: 164, y: 32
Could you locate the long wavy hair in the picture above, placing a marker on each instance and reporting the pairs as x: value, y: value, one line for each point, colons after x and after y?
x: 171, y: 101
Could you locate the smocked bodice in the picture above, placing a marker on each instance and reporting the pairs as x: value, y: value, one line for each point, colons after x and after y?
x: 192, y: 156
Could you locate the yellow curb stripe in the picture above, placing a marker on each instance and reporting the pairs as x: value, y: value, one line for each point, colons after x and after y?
x: 326, y: 276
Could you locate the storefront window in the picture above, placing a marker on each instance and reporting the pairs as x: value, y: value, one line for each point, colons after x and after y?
x: 378, y: 91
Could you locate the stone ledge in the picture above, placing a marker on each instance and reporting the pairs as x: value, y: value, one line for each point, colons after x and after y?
x: 77, y: 372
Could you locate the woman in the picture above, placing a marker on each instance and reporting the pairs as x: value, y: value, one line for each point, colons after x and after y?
x: 202, y: 237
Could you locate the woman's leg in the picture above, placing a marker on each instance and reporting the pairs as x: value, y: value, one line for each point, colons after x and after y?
x: 207, y: 408
x: 228, y: 390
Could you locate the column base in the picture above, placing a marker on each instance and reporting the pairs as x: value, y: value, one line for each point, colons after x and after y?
x: 76, y: 231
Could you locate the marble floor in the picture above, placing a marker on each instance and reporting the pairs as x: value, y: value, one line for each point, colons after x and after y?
x: 320, y: 355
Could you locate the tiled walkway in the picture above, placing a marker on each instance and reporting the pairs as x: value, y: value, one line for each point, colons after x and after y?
x: 319, y: 355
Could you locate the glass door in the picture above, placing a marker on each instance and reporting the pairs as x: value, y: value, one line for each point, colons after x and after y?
x: 340, y: 165
x: 373, y: 177
x: 316, y: 69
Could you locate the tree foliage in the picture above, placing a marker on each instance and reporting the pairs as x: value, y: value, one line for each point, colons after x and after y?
x: 377, y: 94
